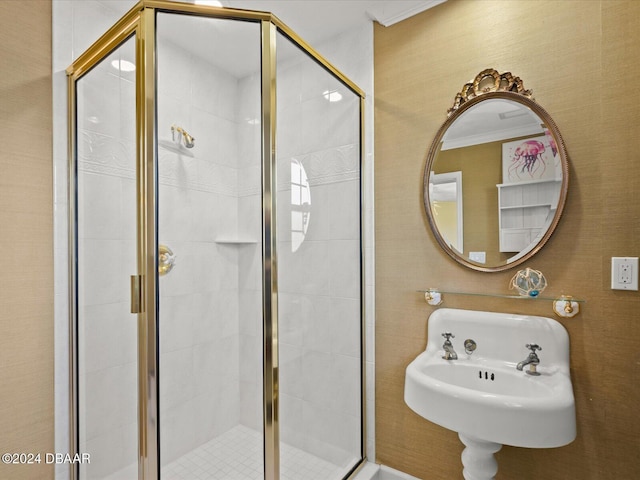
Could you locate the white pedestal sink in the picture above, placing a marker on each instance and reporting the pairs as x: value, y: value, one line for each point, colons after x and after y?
x: 482, y: 395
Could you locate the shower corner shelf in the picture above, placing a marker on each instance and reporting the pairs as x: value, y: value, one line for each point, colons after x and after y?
x: 235, y: 241
x: 563, y: 305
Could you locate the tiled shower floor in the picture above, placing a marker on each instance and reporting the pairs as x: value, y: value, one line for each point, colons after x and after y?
x: 237, y: 455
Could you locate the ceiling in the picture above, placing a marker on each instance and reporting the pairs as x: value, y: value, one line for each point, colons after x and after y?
x: 232, y: 46
x: 318, y: 20
x: 491, y: 121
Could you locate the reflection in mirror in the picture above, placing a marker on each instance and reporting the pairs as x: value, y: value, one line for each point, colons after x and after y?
x: 445, y: 190
x: 516, y: 173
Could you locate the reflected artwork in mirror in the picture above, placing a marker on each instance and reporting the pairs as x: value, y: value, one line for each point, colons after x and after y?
x: 496, y: 176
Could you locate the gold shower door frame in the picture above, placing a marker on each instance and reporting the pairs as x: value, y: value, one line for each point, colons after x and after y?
x: 140, y: 23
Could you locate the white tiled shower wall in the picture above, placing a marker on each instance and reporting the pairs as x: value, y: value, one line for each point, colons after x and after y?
x: 241, y: 294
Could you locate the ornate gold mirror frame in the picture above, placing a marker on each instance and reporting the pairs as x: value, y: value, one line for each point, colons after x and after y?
x: 492, y: 85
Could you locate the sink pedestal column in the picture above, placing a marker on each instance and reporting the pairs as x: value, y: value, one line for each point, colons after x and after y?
x: 477, y: 458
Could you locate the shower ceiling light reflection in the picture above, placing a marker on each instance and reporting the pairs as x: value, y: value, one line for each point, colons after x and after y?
x: 332, y: 95
x: 123, y: 65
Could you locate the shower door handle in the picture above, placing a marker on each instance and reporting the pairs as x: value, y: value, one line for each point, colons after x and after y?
x: 136, y: 293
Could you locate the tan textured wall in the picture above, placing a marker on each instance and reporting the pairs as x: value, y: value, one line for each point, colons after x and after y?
x: 26, y: 236
x: 581, y: 60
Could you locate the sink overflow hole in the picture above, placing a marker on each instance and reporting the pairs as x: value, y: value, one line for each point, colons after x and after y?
x: 486, y: 375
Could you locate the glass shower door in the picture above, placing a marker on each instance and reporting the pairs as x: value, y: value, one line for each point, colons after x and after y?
x: 106, y: 257
x: 319, y: 269
x: 209, y: 217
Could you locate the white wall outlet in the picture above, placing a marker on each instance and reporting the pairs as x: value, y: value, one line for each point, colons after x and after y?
x: 624, y: 273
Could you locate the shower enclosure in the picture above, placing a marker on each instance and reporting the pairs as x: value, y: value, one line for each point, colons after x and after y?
x: 217, y: 300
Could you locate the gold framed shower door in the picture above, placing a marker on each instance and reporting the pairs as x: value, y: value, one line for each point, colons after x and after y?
x: 140, y: 23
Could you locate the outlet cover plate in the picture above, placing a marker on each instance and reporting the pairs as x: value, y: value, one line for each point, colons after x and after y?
x: 624, y: 273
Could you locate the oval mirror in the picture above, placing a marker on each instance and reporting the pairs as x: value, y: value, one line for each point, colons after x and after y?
x: 496, y: 176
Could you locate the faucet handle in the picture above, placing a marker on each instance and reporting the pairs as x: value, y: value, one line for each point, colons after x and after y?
x: 533, y: 347
x: 448, y: 335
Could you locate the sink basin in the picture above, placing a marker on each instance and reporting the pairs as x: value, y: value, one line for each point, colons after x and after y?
x: 482, y: 396
x: 471, y: 376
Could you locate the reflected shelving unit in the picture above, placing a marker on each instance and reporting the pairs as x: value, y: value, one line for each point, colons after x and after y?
x: 525, y: 212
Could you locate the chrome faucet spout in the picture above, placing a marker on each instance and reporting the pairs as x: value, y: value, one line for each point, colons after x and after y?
x: 532, y: 360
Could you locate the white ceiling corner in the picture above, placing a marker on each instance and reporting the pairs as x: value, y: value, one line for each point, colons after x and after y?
x: 318, y: 20
x: 388, y: 13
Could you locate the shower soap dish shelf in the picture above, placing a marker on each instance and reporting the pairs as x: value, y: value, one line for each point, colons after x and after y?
x: 235, y: 241
x: 175, y: 147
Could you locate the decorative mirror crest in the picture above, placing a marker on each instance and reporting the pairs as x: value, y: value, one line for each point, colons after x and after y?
x: 488, y: 81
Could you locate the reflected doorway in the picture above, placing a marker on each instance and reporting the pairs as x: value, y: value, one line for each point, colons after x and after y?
x: 446, y: 195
